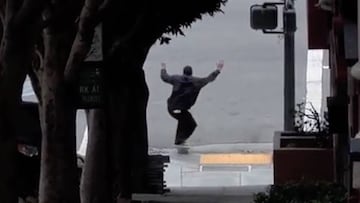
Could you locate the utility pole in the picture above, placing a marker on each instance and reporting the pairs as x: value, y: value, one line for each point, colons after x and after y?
x: 289, y: 64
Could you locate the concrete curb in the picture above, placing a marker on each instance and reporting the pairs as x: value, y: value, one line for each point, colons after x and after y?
x: 205, y: 194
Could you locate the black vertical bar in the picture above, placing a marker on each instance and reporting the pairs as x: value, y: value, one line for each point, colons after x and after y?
x: 289, y: 74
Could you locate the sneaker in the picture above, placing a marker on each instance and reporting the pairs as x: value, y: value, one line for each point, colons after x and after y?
x: 183, y: 148
x: 183, y: 145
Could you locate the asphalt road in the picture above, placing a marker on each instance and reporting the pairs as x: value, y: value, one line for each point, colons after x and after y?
x: 245, y: 103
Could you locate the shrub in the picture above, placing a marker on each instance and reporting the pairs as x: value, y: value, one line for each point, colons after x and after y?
x: 303, y: 192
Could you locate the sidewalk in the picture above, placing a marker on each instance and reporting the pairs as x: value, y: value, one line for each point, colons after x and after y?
x: 220, y: 183
x: 184, y: 169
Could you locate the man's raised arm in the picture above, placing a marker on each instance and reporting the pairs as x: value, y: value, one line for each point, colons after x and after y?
x: 214, y: 74
x: 164, y: 75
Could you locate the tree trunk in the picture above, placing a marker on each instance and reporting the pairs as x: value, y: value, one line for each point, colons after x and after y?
x: 128, y: 143
x: 139, y: 98
x: 95, y: 177
x: 59, y: 179
x: 126, y: 139
x: 127, y: 102
x: 16, y: 53
x: 120, y: 145
x: 7, y: 172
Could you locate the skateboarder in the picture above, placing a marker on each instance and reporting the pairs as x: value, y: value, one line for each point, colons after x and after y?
x: 186, y: 89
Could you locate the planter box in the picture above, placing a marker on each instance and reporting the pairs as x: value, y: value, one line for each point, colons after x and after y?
x: 290, y: 139
x: 304, y: 160
x: 354, y: 196
x: 294, y: 164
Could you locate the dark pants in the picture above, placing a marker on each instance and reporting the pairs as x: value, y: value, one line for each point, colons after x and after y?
x: 186, y: 125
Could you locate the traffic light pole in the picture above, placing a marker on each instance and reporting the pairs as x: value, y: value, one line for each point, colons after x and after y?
x: 289, y: 81
x: 289, y: 69
x: 289, y: 29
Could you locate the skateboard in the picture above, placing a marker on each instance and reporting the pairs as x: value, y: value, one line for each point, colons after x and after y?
x: 182, y: 149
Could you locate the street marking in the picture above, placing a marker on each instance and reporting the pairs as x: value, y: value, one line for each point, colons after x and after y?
x: 236, y: 158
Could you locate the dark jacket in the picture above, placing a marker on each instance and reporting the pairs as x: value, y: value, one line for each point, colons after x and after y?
x: 185, y: 89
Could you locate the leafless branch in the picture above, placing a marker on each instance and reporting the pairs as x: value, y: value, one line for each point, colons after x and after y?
x: 136, y: 28
x: 40, y: 65
x: 2, y: 25
x: 83, y: 39
x: 2, y: 3
x: 29, y: 11
x: 11, y: 9
x: 35, y: 73
x: 102, y: 10
x: 2, y: 10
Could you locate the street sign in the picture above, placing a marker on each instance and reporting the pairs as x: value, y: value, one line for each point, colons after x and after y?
x: 90, y: 89
x: 90, y: 92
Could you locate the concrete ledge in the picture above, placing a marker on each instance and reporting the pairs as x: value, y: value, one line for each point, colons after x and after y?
x: 233, y: 148
x: 205, y: 194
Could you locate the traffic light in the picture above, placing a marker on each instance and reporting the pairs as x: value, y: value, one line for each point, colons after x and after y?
x: 264, y: 17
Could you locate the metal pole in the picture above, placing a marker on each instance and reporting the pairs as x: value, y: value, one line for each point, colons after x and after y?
x: 289, y: 73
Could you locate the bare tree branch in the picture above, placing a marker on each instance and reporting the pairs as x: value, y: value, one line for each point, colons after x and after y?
x: 29, y: 11
x: 11, y: 8
x: 2, y: 10
x: 102, y: 10
x: 35, y: 73
x: 136, y: 28
x: 2, y: 3
x: 83, y: 39
x: 2, y: 24
x: 105, y: 5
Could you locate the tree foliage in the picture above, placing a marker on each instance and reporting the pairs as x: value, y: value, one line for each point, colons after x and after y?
x: 181, y: 14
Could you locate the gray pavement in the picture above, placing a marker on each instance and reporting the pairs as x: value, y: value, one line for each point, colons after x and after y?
x: 205, y: 195
x: 184, y: 169
x: 230, y: 184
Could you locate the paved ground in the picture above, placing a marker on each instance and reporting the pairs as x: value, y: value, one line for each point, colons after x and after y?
x: 185, y: 169
x: 221, y: 184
